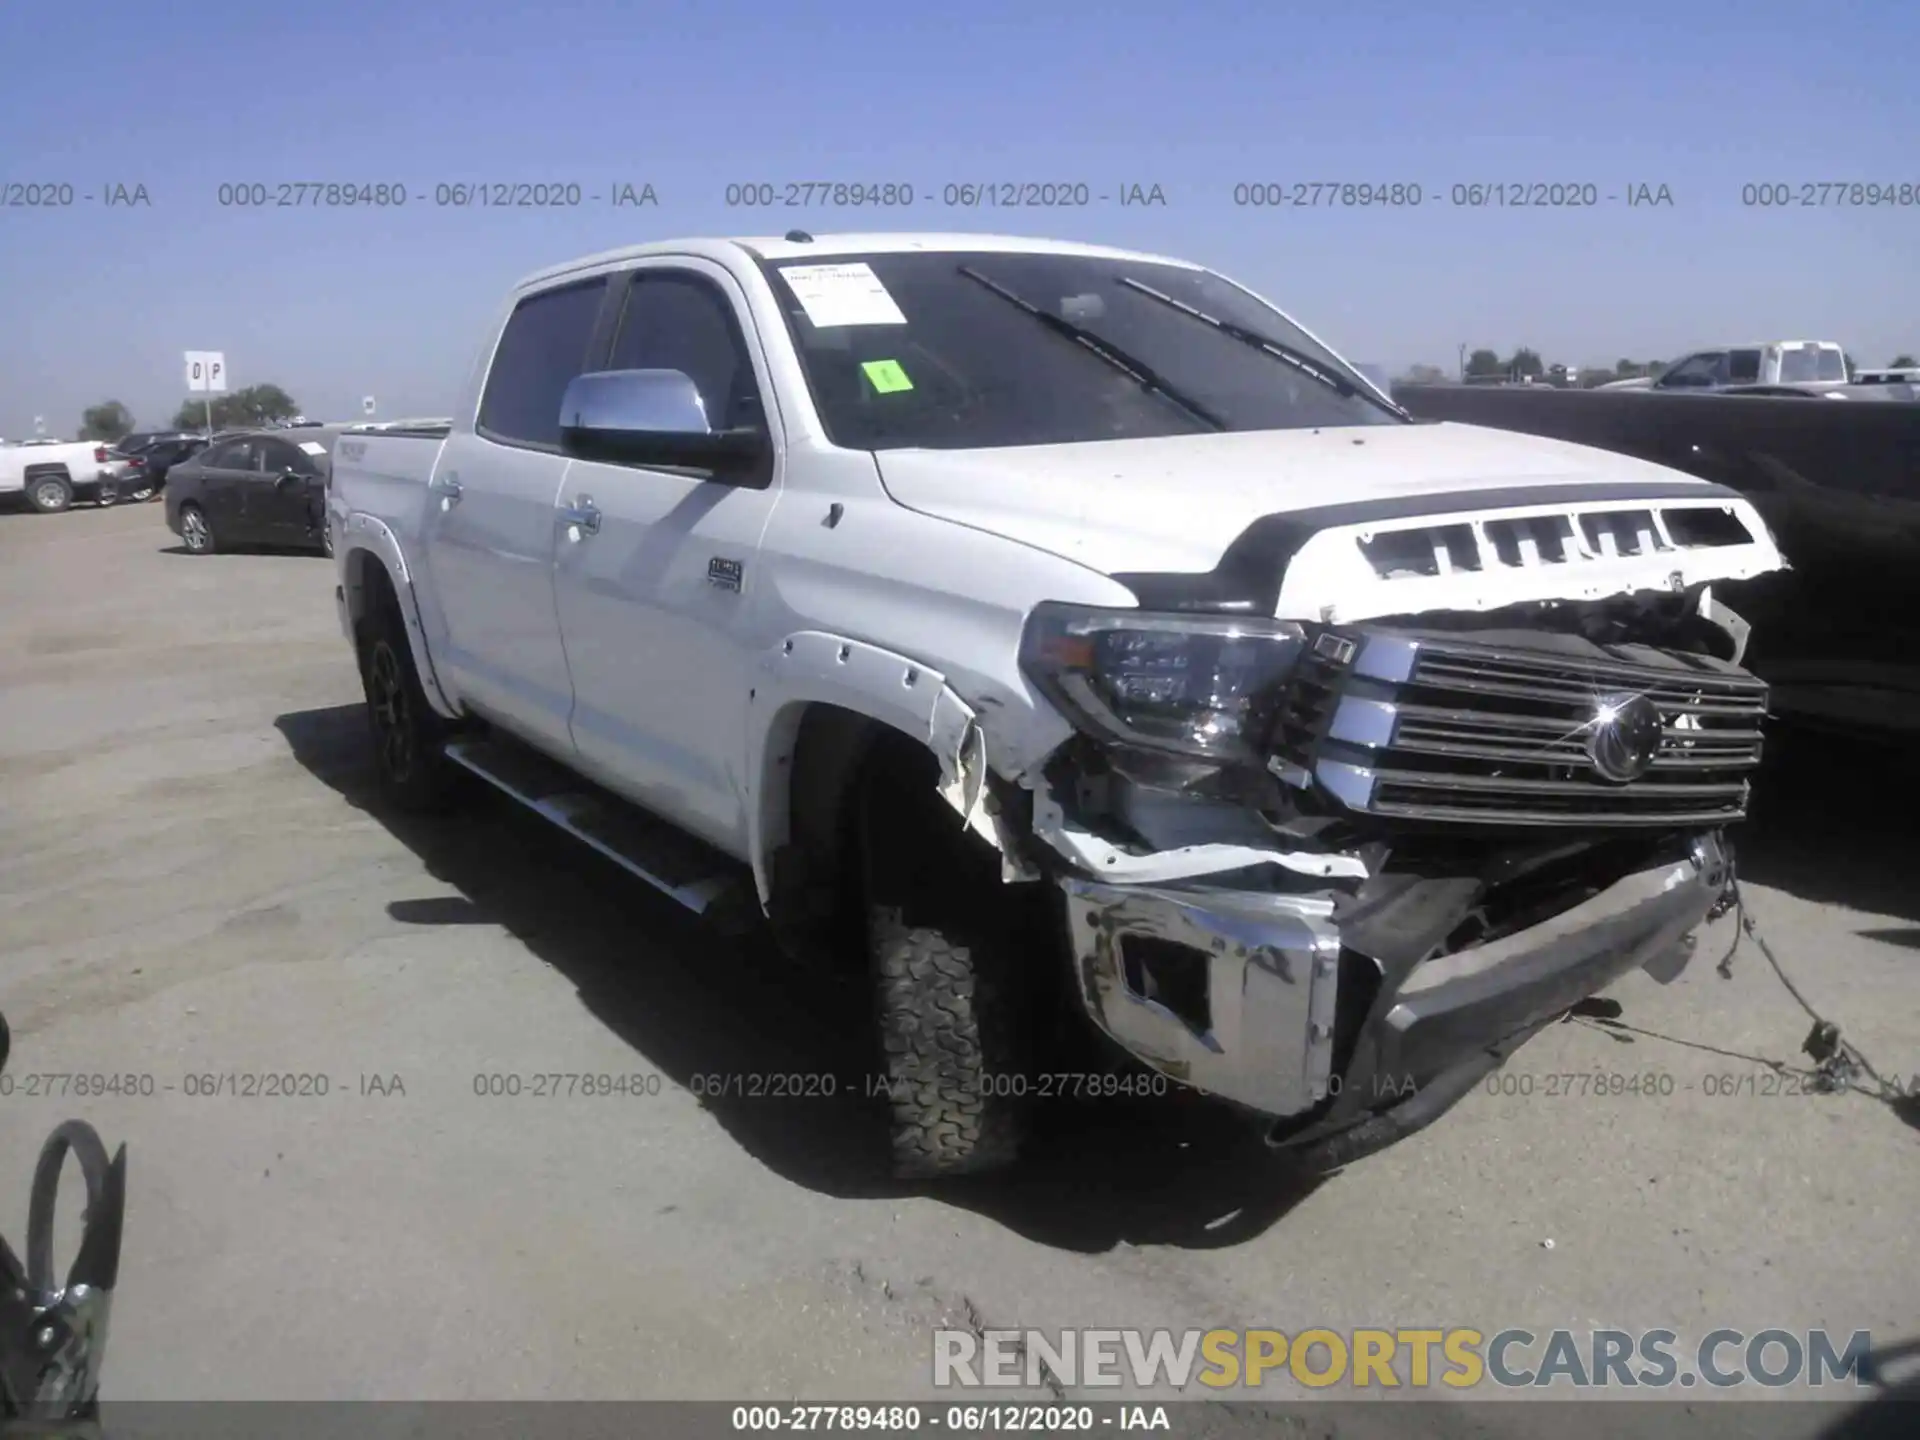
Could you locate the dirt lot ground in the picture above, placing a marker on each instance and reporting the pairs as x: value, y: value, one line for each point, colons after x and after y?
x: 193, y: 882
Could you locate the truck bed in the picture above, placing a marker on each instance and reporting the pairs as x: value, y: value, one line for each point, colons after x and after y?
x: 383, y: 472
x: 429, y: 429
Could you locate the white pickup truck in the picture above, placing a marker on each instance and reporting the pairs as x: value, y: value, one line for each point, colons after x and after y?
x: 1815, y: 366
x: 1031, y: 624
x: 51, y: 475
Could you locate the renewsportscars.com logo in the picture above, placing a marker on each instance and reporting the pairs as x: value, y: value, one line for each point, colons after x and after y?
x: 1458, y: 1359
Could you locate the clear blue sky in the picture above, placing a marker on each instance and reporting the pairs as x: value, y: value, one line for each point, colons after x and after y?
x: 1699, y: 95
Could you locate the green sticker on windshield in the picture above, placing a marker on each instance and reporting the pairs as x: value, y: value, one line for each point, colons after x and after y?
x: 887, y: 376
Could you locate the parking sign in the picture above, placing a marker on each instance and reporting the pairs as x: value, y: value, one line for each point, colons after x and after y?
x: 207, y: 370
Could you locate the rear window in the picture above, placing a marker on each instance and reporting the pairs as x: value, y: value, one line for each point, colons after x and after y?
x: 1800, y: 364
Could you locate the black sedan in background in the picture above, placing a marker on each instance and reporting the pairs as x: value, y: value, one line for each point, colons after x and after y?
x: 260, y: 487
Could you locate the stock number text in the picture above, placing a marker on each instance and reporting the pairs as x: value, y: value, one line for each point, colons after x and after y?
x: 1307, y: 194
x: 826, y: 1417
x: 555, y: 1084
x: 793, y: 194
x: 1581, y: 1082
x: 1779, y: 195
x: 310, y: 194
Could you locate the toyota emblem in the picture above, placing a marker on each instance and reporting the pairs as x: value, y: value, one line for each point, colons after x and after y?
x: 1624, y: 736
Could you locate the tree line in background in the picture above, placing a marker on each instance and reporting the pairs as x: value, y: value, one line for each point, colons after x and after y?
x: 1525, y: 364
x: 236, y: 410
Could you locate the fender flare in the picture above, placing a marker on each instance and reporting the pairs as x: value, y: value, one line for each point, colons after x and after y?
x: 815, y: 667
x: 363, y: 534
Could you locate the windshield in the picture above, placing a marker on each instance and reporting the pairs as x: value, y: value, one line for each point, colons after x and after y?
x: 944, y: 352
x: 1803, y: 363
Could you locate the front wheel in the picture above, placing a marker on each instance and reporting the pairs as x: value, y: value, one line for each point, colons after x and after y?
x: 944, y: 1029
x: 195, y: 531
x: 952, y: 955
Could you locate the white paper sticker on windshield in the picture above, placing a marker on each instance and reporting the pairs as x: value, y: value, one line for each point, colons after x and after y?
x: 842, y: 295
x: 313, y: 447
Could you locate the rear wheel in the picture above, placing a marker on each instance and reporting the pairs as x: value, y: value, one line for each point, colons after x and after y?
x: 106, y: 494
x: 49, y: 494
x: 195, y: 531
x: 409, y: 738
x: 143, y: 491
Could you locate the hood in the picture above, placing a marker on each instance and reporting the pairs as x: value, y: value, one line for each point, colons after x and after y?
x: 1176, y: 503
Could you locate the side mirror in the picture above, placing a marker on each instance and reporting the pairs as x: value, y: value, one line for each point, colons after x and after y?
x: 656, y: 418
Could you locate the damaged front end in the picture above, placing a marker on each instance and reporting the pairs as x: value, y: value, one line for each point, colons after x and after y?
x: 1335, y: 873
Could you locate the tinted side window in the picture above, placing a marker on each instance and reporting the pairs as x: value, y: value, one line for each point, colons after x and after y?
x: 683, y: 322
x: 1701, y: 369
x: 279, y: 455
x: 1744, y: 367
x: 543, y: 347
x: 224, y: 457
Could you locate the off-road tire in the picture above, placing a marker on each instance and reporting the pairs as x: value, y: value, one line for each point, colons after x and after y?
x: 953, y: 956
x: 947, y: 1041
x: 196, y: 531
x: 49, y: 494
x: 409, y: 736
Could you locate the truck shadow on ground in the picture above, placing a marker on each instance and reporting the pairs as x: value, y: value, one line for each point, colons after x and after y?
x: 1836, y: 819
x: 713, y: 1013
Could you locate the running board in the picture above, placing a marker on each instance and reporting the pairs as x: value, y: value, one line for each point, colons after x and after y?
x: 672, y: 862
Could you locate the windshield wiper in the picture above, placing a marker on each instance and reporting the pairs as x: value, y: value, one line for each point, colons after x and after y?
x: 1299, y: 360
x: 1112, y: 354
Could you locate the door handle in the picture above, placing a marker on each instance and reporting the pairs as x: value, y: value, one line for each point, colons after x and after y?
x: 583, y: 514
x: 446, y: 486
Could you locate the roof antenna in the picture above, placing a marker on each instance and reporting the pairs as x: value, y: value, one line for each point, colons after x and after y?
x: 799, y: 237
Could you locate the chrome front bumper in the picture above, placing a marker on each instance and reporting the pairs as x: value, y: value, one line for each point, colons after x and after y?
x: 1268, y: 967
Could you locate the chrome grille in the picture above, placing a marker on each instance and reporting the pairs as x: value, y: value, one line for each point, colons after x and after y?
x: 1501, y: 729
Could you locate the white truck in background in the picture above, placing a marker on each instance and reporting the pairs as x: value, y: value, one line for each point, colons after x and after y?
x: 51, y: 474
x: 1055, y: 631
x: 1798, y: 364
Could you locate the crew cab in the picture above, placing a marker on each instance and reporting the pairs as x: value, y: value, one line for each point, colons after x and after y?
x: 1043, y: 629
x: 52, y: 474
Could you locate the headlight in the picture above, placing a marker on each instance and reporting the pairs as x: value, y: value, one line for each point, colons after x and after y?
x: 1196, y: 685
